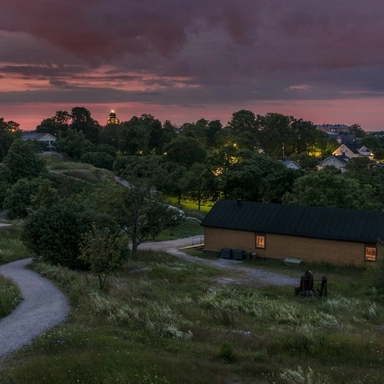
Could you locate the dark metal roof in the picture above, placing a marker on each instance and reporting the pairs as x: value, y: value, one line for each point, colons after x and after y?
x: 315, y: 222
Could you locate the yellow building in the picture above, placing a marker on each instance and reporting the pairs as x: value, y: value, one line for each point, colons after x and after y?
x: 312, y: 234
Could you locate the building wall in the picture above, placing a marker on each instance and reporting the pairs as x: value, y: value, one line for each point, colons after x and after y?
x: 281, y: 247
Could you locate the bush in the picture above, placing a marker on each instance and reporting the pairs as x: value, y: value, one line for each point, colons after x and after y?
x: 98, y: 159
x: 53, y: 234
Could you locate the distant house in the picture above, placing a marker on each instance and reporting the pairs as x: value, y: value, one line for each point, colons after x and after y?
x: 290, y: 164
x: 334, y: 161
x: 312, y: 234
x: 42, y: 137
x: 346, y: 138
x: 353, y: 150
x: 333, y: 128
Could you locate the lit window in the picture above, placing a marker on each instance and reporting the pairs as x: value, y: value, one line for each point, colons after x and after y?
x: 370, y: 253
x: 260, y: 241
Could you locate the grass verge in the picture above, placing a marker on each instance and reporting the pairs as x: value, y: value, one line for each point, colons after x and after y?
x: 10, y: 296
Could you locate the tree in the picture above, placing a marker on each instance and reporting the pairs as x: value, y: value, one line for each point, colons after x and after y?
x: 134, y: 137
x: 54, y: 233
x: 23, y: 161
x: 211, y: 132
x: 57, y: 125
x: 9, y: 131
x: 75, y: 144
x: 281, y: 136
x: 185, y: 151
x: 174, y: 181
x: 358, y: 168
x: 46, y: 195
x: 157, y: 138
x: 330, y: 188
x: 21, y: 196
x: 197, y: 183
x: 81, y: 120
x: 356, y: 130
x: 109, y: 135
x: 103, y: 251
x: 243, y: 121
x: 143, y: 215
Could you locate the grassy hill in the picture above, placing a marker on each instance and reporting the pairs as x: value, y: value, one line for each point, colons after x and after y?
x: 165, y: 320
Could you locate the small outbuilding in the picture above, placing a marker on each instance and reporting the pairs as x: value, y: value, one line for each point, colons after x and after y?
x: 312, y: 234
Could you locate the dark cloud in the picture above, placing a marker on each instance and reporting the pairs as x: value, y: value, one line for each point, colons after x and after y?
x: 192, y: 52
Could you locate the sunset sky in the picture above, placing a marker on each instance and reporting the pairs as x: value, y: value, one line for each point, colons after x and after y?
x: 184, y: 60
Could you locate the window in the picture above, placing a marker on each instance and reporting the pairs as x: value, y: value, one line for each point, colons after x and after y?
x: 370, y: 253
x: 260, y: 241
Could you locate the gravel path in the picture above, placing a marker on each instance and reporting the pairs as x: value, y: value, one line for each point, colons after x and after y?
x: 43, y: 307
x: 244, y: 275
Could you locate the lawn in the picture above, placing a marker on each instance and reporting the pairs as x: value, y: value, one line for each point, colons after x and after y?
x: 165, y: 320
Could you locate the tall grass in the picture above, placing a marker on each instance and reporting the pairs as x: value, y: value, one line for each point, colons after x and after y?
x: 10, y: 296
x: 164, y: 320
x: 11, y: 247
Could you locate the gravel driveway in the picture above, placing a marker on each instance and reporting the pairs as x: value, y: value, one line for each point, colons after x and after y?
x: 244, y: 275
x: 43, y: 307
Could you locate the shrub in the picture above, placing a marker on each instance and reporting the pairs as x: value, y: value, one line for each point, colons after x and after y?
x: 98, y: 159
x: 226, y: 352
x: 54, y: 233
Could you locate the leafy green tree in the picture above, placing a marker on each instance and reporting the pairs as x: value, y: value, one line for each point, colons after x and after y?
x: 9, y: 131
x: 54, y: 233
x: 185, y: 151
x: 75, y: 144
x: 358, y: 168
x: 198, y: 181
x: 305, y: 160
x: 134, y: 137
x: 255, y: 177
x: 26, y: 195
x: 104, y: 251
x: 46, y: 195
x: 143, y: 215
x: 356, y: 130
x: 169, y: 131
x: 240, y: 131
x: 18, y: 199
x: 81, y: 120
x: 23, y: 161
x: 173, y: 183
x: 281, y: 135
x: 109, y: 135
x: 211, y: 132
x: 243, y: 121
x: 148, y: 168
x: 107, y: 149
x: 57, y: 125
x: 157, y: 138
x: 375, y: 143
x: 330, y: 188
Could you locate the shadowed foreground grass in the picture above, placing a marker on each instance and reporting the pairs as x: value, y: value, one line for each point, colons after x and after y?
x: 164, y: 320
